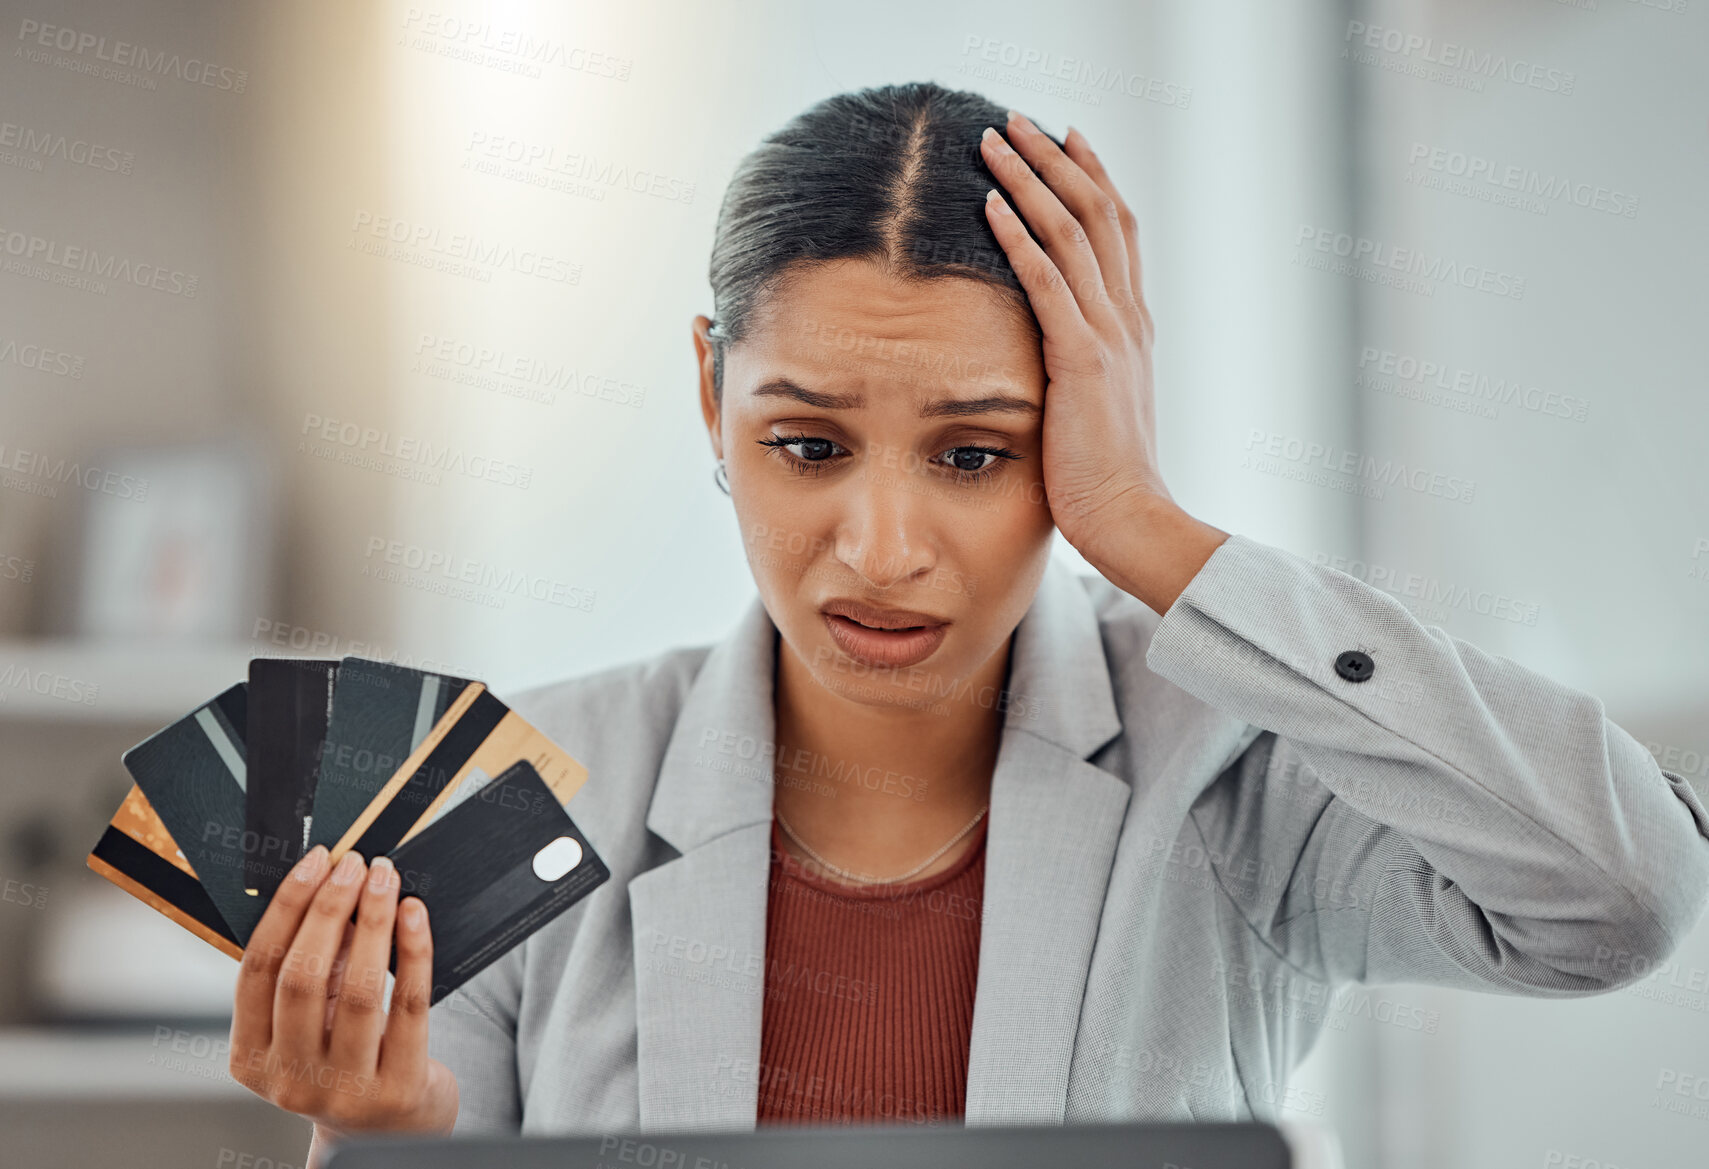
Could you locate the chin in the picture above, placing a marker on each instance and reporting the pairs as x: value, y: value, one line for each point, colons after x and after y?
x: 887, y: 692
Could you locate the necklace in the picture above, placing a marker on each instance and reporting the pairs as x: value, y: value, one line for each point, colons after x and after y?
x: 862, y: 878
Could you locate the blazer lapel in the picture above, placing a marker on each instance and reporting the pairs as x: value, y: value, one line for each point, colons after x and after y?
x: 699, y: 919
x: 1055, y: 820
x: 699, y: 927
x: 1054, y: 824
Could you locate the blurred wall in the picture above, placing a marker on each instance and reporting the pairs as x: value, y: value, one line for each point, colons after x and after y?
x: 139, y: 173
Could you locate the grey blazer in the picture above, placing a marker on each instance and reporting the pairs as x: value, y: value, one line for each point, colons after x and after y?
x: 1203, y: 839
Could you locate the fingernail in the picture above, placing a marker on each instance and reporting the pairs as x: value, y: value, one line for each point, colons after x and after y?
x: 380, y: 874
x: 991, y: 135
x: 310, y: 868
x: 1013, y: 116
x: 348, y: 868
x: 412, y: 913
x: 997, y: 200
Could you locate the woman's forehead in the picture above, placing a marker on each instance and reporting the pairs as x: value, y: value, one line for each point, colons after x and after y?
x: 937, y: 398
x: 857, y: 325
x: 867, y: 295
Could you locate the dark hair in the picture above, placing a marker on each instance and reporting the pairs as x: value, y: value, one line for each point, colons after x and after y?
x: 892, y: 174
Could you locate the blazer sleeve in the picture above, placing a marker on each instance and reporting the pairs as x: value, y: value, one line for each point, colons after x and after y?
x: 472, y: 1031
x: 1453, y: 818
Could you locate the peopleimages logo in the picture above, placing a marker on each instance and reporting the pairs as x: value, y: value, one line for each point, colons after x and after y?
x: 1380, y: 368
x: 75, y: 690
x: 37, y: 474
x: 424, y: 243
x: 1264, y: 448
x: 570, y: 171
x: 1374, y: 260
x: 35, y: 144
x: 513, y: 50
x: 405, y: 455
x: 316, y: 643
x: 1433, y: 591
x: 1520, y: 180
x: 498, y: 582
x: 128, y: 56
x: 1427, y: 51
x: 516, y: 375
x: 1085, y: 76
x: 41, y: 359
x: 50, y: 259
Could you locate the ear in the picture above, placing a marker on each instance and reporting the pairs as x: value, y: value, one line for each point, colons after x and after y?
x: 708, y: 401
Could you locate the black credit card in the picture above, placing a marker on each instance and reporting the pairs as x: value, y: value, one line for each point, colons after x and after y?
x: 290, y: 703
x: 194, y: 774
x: 380, y: 714
x: 493, y: 869
x: 408, y: 794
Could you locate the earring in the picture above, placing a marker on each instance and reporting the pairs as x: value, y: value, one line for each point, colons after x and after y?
x: 719, y: 477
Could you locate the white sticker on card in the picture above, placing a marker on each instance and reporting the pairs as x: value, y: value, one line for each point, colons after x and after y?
x: 557, y: 858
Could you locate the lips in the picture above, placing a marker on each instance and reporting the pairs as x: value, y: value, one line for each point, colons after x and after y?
x: 876, y: 618
x: 883, y: 637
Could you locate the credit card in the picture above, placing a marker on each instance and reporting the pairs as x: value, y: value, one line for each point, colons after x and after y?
x: 380, y: 714
x: 479, y: 738
x: 495, y: 868
x: 193, y: 774
x: 290, y: 703
x: 138, y: 854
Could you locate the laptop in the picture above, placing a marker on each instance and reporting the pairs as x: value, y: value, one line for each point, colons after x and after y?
x: 1251, y: 1145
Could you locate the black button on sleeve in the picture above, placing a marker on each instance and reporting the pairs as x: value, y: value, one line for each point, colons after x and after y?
x: 1355, y: 666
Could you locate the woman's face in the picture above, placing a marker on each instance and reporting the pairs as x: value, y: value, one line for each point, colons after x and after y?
x: 882, y: 442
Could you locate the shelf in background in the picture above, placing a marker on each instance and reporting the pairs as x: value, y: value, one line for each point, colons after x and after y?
x: 109, y: 681
x: 129, y: 1062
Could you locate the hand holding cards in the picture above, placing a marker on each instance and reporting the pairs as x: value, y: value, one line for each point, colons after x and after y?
x: 465, y: 797
x: 308, y: 1033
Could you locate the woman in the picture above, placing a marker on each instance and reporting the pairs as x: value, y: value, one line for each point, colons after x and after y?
x: 944, y: 830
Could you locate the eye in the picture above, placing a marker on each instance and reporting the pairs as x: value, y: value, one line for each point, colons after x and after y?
x: 813, y: 450
x: 809, y: 455
x: 813, y: 454
x: 962, y: 456
x: 968, y: 462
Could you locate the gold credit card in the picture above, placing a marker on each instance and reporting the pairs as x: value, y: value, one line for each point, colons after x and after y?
x: 138, y: 854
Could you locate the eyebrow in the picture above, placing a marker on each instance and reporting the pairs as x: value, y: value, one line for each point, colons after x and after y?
x: 782, y: 387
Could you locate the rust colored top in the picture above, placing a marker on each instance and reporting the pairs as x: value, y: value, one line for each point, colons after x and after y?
x: 868, y: 1005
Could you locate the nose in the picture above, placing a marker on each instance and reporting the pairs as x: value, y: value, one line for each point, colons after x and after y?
x: 883, y: 533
